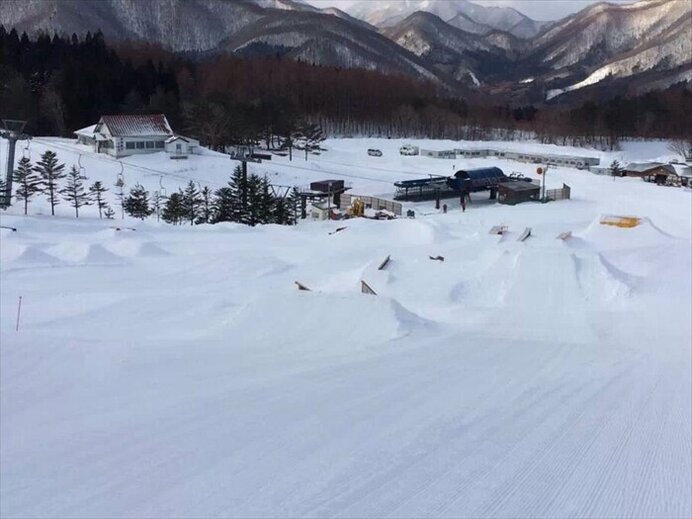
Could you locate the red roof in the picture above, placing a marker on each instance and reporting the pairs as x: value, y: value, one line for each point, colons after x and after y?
x: 137, y: 125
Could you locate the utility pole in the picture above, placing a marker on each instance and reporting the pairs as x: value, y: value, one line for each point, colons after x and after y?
x: 13, y: 132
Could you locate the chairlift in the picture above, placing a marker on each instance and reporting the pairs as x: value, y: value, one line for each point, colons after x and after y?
x: 82, y: 170
x: 121, y: 174
x: 162, y: 190
x: 26, y: 152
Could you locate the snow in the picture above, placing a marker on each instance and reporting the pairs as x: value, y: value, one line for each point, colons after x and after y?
x: 177, y: 371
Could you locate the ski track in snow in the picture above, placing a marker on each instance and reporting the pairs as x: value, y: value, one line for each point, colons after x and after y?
x: 177, y: 371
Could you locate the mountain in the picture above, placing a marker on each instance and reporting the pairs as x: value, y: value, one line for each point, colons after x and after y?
x: 462, y: 14
x: 247, y: 27
x: 463, y: 55
x: 454, y: 43
x: 615, y: 41
x: 327, y: 40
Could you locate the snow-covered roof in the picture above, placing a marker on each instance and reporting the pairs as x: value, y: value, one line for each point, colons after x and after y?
x: 137, y: 125
x: 176, y: 138
x: 643, y: 167
x: 87, y: 131
x: 683, y: 170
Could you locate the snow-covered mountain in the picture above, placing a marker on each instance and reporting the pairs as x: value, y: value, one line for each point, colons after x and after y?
x: 616, y: 41
x: 453, y: 42
x: 459, y: 53
x: 246, y: 26
x: 462, y: 14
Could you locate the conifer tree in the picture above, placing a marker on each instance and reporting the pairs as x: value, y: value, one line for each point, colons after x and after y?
x: 616, y: 169
x: 136, y: 204
x: 205, y: 212
x: 294, y: 205
x: 254, y: 201
x: 191, y: 202
x: 174, y: 210
x: 28, y: 182
x: 51, y: 172
x: 3, y: 187
x: 97, y: 191
x: 225, y: 205
x: 74, y: 192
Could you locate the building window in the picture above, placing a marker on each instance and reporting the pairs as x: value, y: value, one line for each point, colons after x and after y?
x: 130, y: 145
x: 150, y: 145
x: 140, y: 145
x: 159, y: 144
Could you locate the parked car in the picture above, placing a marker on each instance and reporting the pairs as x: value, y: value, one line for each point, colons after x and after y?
x: 409, y: 149
x: 374, y: 153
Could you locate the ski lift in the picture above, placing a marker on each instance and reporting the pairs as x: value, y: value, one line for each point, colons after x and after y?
x: 82, y: 170
x: 121, y: 174
x: 162, y: 190
x: 26, y: 152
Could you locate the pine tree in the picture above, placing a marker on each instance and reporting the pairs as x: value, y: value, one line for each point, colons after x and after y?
x: 228, y: 203
x: 109, y: 213
x: 74, y: 192
x: 51, y: 172
x: 281, y: 214
x: 205, y: 213
x: 255, y: 202
x: 120, y: 194
x: 136, y: 204
x: 174, y: 210
x: 28, y: 182
x: 294, y: 205
x: 225, y: 205
x: 3, y: 187
x: 616, y: 169
x: 191, y: 202
x: 97, y: 191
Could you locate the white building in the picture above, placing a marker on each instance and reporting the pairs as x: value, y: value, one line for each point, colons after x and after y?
x: 123, y: 135
x: 179, y: 147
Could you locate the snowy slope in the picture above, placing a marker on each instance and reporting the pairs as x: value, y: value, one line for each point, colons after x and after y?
x: 465, y: 15
x: 176, y: 371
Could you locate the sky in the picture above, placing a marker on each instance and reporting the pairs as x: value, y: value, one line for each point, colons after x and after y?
x: 536, y: 9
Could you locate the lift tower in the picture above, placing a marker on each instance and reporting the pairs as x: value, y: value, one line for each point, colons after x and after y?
x: 13, y: 132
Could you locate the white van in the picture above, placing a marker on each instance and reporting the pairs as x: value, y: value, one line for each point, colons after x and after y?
x: 409, y: 149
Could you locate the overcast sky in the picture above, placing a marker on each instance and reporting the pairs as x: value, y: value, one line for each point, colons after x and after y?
x: 536, y: 9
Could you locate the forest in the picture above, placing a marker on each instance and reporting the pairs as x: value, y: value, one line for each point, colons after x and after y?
x: 59, y: 84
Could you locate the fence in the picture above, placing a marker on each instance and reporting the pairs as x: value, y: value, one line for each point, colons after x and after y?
x: 564, y: 193
x: 372, y: 202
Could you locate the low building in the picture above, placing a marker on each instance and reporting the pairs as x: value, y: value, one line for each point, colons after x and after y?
x: 320, y: 211
x: 651, y: 172
x: 179, y: 147
x: 533, y: 158
x: 513, y: 193
x: 124, y: 135
x: 439, y: 154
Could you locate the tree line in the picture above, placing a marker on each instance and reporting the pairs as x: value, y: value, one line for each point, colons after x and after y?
x: 246, y: 199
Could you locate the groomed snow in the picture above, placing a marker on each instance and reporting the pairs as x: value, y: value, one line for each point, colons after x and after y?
x: 177, y: 371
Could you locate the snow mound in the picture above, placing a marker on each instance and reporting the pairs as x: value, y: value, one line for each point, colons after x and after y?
x: 134, y: 248
x: 600, y: 280
x: 490, y: 287
x: 33, y: 256
x: 644, y: 234
x: 84, y: 254
x: 298, y: 320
